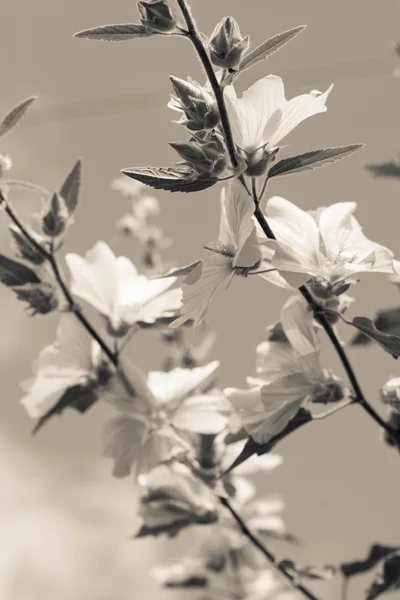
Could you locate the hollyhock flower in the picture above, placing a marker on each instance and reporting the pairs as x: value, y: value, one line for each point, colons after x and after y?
x: 74, y: 359
x: 236, y: 252
x: 113, y: 286
x: 328, y: 243
x: 170, y: 401
x: 263, y: 116
x: 288, y: 374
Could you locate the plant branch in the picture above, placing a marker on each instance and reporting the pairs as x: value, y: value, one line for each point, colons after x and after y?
x: 267, y: 553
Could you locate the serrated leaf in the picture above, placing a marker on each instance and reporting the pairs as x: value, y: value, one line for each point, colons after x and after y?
x: 302, y: 417
x: 172, y: 179
x: 312, y: 160
x: 375, y: 554
x: 388, y: 577
x: 269, y: 47
x: 389, y: 342
x: 387, y: 321
x: 77, y: 397
x: 13, y: 273
x: 71, y: 186
x: 13, y: 117
x: 121, y: 32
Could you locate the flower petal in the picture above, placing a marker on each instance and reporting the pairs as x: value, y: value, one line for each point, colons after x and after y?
x: 124, y: 438
x: 202, y: 414
x: 298, y: 324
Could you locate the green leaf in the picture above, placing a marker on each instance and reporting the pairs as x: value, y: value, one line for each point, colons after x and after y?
x: 115, y: 33
x: 78, y: 397
x: 375, y: 554
x: 172, y: 179
x: 387, y: 578
x: 15, y: 115
x: 390, y: 343
x: 269, y: 47
x: 71, y: 186
x: 312, y: 160
x: 13, y: 273
x: 387, y: 321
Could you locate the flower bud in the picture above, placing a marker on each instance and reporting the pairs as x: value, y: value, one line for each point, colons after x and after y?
x: 390, y: 393
x: 200, y: 111
x: 258, y: 160
x: 329, y: 391
x: 207, y: 156
x: 56, y: 218
x: 24, y: 248
x: 156, y: 15
x: 227, y: 45
x: 41, y: 297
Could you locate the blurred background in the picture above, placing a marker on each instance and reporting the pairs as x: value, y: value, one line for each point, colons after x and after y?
x: 65, y: 522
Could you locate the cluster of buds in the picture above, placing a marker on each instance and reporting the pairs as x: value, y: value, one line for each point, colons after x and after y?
x: 197, y: 105
x: 227, y: 45
x: 156, y: 16
x: 331, y: 297
x: 204, y: 152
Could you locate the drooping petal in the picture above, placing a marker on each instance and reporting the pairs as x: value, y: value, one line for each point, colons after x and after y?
x: 297, y: 322
x: 292, y: 114
x: 94, y: 278
x: 250, y: 114
x: 171, y: 387
x: 215, y: 269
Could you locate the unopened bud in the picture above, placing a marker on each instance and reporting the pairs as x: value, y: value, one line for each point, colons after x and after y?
x: 258, y: 161
x: 200, y: 111
x: 25, y: 249
x: 227, y: 45
x: 42, y: 297
x: 156, y: 15
x: 56, y: 217
x: 207, y: 157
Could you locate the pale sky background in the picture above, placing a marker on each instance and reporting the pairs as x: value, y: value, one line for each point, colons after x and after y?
x: 64, y: 520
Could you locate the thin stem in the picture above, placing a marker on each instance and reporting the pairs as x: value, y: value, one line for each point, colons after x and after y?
x: 266, y: 552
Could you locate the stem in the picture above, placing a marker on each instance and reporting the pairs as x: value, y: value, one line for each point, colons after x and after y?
x: 267, y: 553
x: 49, y: 256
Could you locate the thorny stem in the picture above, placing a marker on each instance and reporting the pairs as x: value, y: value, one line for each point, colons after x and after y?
x: 74, y: 308
x: 267, y: 553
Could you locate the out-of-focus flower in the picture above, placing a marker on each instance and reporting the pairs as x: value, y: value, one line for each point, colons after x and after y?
x: 73, y: 360
x: 390, y: 393
x: 237, y: 252
x: 5, y: 164
x: 328, y: 243
x: 173, y: 498
x: 113, y: 286
x: 263, y: 116
x: 288, y: 374
x: 174, y: 401
x: 127, y: 187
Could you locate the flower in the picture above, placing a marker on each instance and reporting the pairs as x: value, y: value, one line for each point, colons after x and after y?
x: 288, y: 374
x: 113, y: 286
x: 263, y: 116
x: 145, y: 431
x: 390, y: 393
x: 236, y: 252
x: 74, y: 359
x: 328, y: 243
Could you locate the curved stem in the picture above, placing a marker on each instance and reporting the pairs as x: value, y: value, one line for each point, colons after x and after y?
x: 265, y: 551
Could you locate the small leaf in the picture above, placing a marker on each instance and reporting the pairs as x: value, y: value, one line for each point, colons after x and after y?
x: 13, y: 273
x: 170, y: 529
x: 172, y: 179
x: 324, y: 573
x: 375, y: 554
x: 390, y: 343
x: 388, y: 577
x: 115, y: 33
x: 41, y: 297
x: 78, y: 397
x: 387, y: 321
x: 269, y: 47
x: 15, y: 115
x: 312, y: 160
x: 387, y: 169
x: 71, y: 186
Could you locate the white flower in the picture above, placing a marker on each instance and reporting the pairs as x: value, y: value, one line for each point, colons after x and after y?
x: 127, y: 187
x: 144, y: 433
x: 288, y: 375
x: 236, y: 252
x: 263, y: 116
x: 328, y: 243
x: 72, y: 360
x: 113, y: 286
